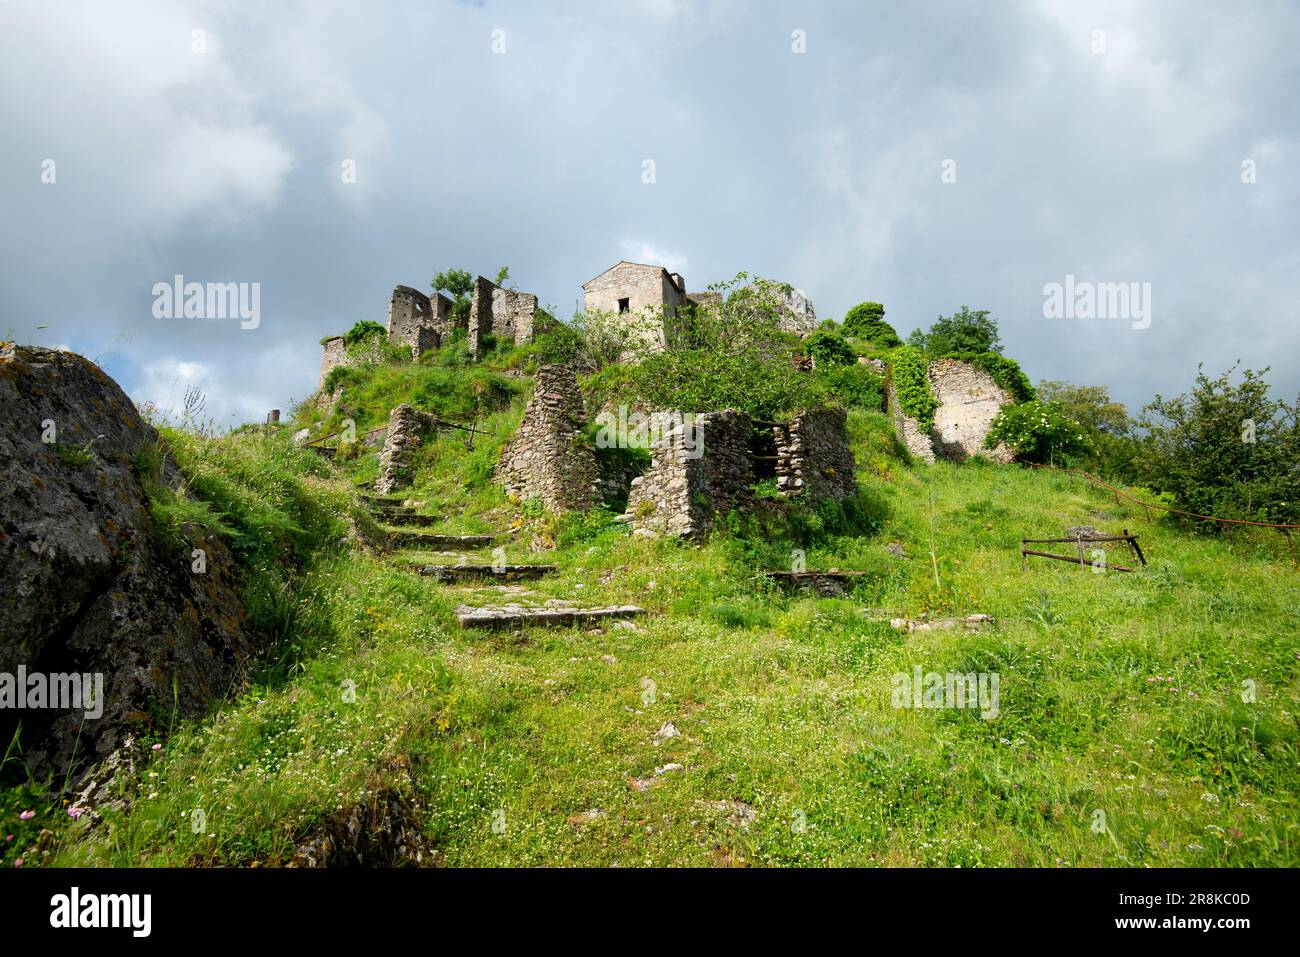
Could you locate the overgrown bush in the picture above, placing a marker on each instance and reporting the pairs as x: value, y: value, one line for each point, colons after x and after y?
x: 361, y: 331
x: 830, y: 348
x: 909, y: 371
x: 1005, y: 372
x: 866, y: 321
x: 855, y: 386
x: 1038, y: 432
x: 1223, y: 449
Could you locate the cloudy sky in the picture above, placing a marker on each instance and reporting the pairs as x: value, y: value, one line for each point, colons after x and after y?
x: 1108, y: 141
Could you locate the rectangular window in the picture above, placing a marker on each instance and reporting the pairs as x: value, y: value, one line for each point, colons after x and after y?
x: 624, y: 305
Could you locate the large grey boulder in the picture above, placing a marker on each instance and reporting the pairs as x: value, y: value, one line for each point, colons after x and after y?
x: 90, y: 587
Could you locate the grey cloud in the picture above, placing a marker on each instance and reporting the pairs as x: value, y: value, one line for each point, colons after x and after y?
x: 822, y: 168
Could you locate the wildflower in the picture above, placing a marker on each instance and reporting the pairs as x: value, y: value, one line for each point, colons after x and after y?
x: 18, y: 863
x: 26, y: 815
x: 157, y: 747
x: 76, y: 812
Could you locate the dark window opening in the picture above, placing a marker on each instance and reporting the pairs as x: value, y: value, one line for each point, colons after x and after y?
x: 624, y: 305
x: 762, y: 449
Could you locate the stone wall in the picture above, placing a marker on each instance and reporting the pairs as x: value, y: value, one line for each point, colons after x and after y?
x: 335, y: 354
x: 547, y: 459
x: 813, y: 455
x: 408, y: 427
x: 645, y: 287
x: 417, y: 320
x: 908, y: 430
x: 684, y: 490
x: 969, y: 401
x: 504, y: 314
x: 512, y: 315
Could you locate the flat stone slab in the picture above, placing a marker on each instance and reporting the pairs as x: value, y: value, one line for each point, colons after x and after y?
x: 407, y: 519
x: 509, y: 616
x: 448, y: 573
x: 832, y: 583
x: 400, y: 539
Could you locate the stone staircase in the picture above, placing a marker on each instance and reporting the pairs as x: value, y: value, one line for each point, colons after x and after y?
x: 478, y: 573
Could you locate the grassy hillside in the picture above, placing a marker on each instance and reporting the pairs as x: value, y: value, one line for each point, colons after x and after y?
x: 1120, y: 694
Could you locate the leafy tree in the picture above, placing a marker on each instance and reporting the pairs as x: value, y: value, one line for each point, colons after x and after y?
x: 830, y: 348
x: 866, y: 321
x: 503, y: 277
x: 1089, y: 405
x: 1105, y: 423
x: 1224, y: 449
x: 965, y: 331
x: 458, y: 283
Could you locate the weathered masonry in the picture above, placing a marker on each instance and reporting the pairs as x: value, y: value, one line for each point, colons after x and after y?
x: 502, y: 314
x: 643, y: 296
x: 701, y: 470
x: 547, y: 459
x: 336, y: 354
x: 408, y: 427
x: 419, y: 321
x: 969, y: 401
x: 698, y: 470
x: 813, y: 456
x: 425, y: 322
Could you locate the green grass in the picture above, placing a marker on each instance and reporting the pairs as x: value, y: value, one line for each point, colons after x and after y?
x: 1120, y: 694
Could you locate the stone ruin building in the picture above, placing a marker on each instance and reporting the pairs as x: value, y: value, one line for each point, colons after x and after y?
x: 655, y: 293
x: 424, y: 323
x: 969, y: 401
x: 700, y: 467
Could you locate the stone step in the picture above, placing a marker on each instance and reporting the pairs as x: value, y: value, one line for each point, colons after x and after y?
x: 382, y: 501
x: 404, y: 519
x: 510, y: 616
x: 401, y: 539
x: 510, y: 573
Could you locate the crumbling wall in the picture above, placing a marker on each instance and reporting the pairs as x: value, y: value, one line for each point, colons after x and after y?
x: 408, y: 427
x: 547, y: 459
x: 512, y: 315
x: 503, y: 314
x: 908, y: 430
x: 813, y: 455
x: 335, y: 354
x: 969, y: 401
x: 417, y: 320
x: 697, y: 472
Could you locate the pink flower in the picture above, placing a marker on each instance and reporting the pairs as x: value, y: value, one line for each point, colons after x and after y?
x: 26, y: 815
x: 157, y: 747
x: 76, y: 812
x: 18, y: 863
x: 9, y: 838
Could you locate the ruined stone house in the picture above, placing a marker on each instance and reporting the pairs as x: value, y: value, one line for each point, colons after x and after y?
x: 646, y: 295
x: 969, y: 400
x: 423, y: 323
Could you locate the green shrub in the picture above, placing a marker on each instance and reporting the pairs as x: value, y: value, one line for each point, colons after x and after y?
x: 855, y: 386
x: 830, y: 348
x: 866, y: 321
x: 1038, y: 432
x: 1005, y: 372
